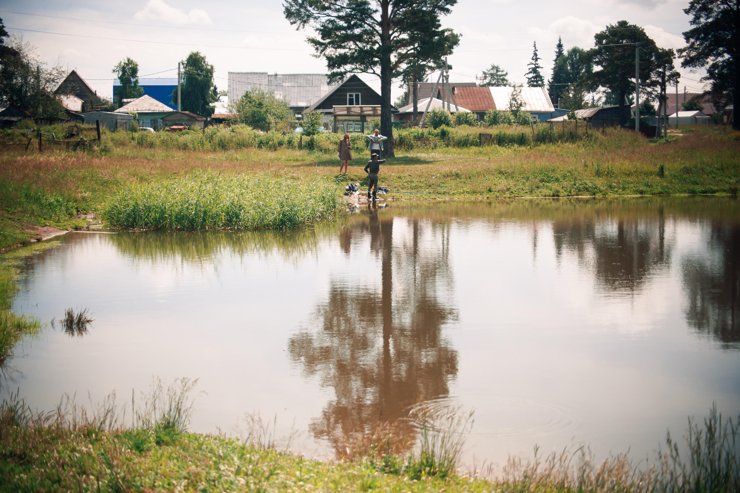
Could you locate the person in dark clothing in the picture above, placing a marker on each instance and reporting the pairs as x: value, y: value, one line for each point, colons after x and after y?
x: 372, y: 168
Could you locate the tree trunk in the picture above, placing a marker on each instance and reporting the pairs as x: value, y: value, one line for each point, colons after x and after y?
x: 414, y: 95
x: 736, y: 92
x: 386, y: 78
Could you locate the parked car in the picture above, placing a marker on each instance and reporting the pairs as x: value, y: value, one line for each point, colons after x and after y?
x: 146, y: 129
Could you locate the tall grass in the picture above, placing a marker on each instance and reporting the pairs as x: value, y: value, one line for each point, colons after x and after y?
x: 708, y: 460
x: 442, y: 432
x: 210, y: 201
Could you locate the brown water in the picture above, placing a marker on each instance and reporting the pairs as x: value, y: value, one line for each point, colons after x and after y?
x: 559, y: 323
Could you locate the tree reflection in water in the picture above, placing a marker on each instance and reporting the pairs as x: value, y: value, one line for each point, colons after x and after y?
x: 380, y: 345
x: 712, y: 284
x: 625, y: 248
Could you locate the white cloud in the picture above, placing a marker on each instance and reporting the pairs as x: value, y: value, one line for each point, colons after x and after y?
x: 159, y: 10
x: 663, y: 38
x: 649, y: 4
x: 574, y: 31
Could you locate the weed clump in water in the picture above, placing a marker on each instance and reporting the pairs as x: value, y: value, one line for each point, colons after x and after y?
x: 76, y: 324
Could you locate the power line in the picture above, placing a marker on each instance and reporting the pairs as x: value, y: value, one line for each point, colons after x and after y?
x: 169, y: 43
x: 153, y: 26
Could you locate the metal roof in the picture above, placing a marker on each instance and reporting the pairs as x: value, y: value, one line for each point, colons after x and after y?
x: 144, y: 104
x: 424, y: 89
x: 152, y: 81
x: 474, y: 98
x: 535, y: 99
x: 298, y: 90
x: 436, y: 104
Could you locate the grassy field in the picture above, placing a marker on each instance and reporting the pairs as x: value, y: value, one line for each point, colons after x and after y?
x: 57, y: 187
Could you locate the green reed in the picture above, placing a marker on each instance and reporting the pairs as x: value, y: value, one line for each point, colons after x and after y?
x: 210, y: 201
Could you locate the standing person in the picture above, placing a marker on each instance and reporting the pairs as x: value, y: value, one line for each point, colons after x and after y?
x: 345, y: 153
x: 372, y: 168
x: 376, y: 142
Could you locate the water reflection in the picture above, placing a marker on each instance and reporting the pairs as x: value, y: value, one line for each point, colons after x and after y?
x: 552, y: 319
x: 379, y: 344
x: 622, y: 248
x: 712, y: 284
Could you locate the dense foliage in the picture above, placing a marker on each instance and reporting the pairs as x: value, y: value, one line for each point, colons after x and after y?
x: 713, y: 42
x: 197, y: 91
x: 127, y: 71
x: 263, y: 110
x: 26, y: 84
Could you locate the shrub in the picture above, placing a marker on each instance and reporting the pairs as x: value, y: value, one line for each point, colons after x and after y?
x: 465, y: 118
x: 438, y: 118
x: 311, y: 123
x: 496, y: 117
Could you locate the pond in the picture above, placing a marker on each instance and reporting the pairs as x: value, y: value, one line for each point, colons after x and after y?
x: 558, y: 323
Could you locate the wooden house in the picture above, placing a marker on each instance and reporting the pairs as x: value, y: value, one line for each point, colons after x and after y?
x: 299, y: 91
x: 148, y: 111
x: 108, y: 119
x: 607, y: 116
x: 349, y: 107
x: 74, y: 85
x: 183, y: 118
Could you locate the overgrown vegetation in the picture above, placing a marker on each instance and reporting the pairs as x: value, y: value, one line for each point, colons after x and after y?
x: 208, y: 201
x: 60, y: 188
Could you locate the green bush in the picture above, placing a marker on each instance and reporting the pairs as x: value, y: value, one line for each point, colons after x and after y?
x: 209, y: 201
x: 438, y: 118
x: 496, y: 117
x: 465, y: 118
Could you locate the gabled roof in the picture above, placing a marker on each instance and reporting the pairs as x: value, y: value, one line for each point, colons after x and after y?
x: 353, y: 78
x: 535, y: 99
x: 474, y: 98
x: 75, y: 85
x: 675, y: 102
x: 144, y: 104
x: 689, y: 114
x: 424, y: 89
x: 436, y: 104
x: 183, y: 115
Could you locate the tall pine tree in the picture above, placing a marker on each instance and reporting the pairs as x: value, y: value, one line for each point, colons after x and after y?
x: 534, y: 74
x: 371, y: 37
x: 494, y: 76
x: 559, y: 80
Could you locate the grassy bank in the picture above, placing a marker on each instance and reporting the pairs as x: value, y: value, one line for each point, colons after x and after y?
x: 75, y: 449
x: 12, y: 326
x: 58, y: 187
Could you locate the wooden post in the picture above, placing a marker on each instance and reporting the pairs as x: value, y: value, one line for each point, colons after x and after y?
x: 97, y: 129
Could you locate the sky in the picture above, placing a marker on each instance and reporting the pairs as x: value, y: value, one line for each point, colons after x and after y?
x: 92, y: 36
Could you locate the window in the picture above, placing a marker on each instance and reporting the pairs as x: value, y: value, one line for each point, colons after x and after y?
x: 353, y: 99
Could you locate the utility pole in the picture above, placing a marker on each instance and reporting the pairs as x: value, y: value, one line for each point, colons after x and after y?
x: 179, y: 106
x: 429, y: 100
x: 676, y: 113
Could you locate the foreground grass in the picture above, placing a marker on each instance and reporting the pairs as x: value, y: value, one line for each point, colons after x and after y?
x: 73, y: 449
